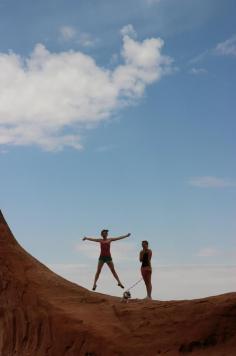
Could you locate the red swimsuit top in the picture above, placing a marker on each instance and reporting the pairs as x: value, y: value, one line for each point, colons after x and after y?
x: 105, y: 248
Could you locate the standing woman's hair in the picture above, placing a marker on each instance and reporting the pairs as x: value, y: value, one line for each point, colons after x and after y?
x: 145, y: 242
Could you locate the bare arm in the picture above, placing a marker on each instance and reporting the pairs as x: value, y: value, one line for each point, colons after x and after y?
x: 141, y: 256
x: 91, y: 239
x: 149, y: 255
x: 119, y: 238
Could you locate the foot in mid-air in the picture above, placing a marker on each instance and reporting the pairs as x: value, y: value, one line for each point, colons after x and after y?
x: 105, y: 255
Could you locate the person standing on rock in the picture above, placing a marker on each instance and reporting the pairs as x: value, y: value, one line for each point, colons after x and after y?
x: 105, y: 255
x: 145, y: 257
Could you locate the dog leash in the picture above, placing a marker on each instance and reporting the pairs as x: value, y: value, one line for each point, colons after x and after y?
x: 134, y: 284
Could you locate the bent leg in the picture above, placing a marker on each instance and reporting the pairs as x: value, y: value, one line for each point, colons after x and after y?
x: 112, y: 268
x: 99, y: 268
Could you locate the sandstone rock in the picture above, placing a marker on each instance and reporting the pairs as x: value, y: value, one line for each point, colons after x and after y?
x: 42, y: 314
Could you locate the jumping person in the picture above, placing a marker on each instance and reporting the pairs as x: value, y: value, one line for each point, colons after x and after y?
x: 105, y: 255
x: 146, y: 268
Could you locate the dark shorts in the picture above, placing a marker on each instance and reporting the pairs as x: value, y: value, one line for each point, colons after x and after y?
x: 105, y: 259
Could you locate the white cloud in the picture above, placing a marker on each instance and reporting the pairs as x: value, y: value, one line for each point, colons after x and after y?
x: 46, y: 98
x: 200, y: 57
x: 86, y: 39
x: 128, y: 30
x: 197, y: 71
x: 228, y: 47
x: 208, y: 252
x: 67, y: 33
x: 211, y: 182
x: 225, y: 48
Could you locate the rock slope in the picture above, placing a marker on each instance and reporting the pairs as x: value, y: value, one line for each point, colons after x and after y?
x: 42, y: 314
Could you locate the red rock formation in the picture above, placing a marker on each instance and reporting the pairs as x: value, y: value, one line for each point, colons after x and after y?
x: 42, y: 314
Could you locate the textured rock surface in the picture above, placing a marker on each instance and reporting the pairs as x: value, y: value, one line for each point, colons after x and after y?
x: 42, y: 314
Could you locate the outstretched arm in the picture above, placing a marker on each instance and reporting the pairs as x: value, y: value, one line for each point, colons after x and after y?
x: 91, y: 239
x: 120, y: 237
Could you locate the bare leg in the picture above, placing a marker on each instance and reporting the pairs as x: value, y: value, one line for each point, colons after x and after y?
x: 99, y: 268
x: 148, y: 284
x: 147, y: 275
x: 112, y: 268
x: 150, y: 289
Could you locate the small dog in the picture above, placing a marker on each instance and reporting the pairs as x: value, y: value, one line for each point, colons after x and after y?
x: 126, y: 296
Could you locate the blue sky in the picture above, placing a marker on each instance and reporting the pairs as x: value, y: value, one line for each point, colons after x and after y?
x: 122, y: 115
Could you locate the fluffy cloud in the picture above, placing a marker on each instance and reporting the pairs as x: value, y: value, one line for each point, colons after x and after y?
x: 47, y: 98
x: 129, y: 31
x: 211, y: 182
x: 228, y: 47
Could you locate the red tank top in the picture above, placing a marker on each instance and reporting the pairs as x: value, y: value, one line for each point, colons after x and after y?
x: 105, y: 248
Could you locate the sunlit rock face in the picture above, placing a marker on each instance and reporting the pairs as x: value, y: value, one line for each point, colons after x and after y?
x: 42, y: 314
